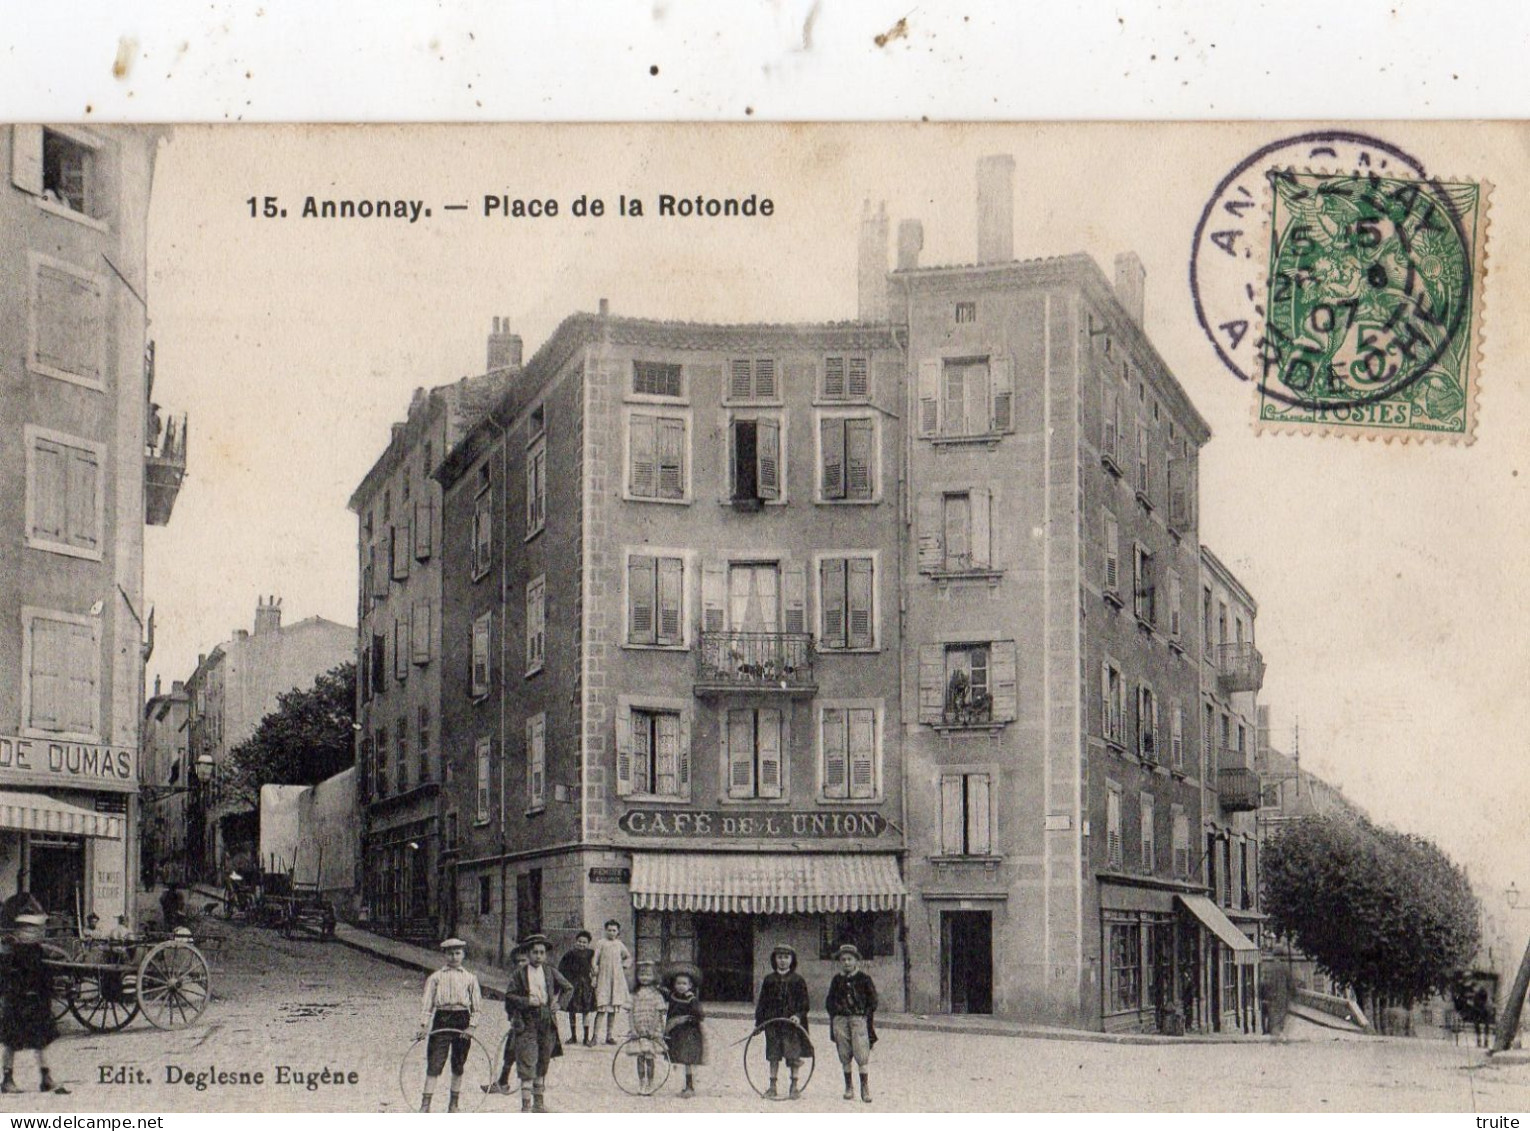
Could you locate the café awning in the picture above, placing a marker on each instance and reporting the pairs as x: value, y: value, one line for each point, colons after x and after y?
x: 765, y: 883
x: 1244, y: 948
x: 39, y: 813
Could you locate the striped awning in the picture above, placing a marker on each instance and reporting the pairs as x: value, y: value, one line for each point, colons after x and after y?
x: 1244, y: 949
x: 39, y: 813
x: 765, y: 883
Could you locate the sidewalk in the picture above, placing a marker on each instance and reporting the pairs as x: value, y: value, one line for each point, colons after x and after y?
x: 492, y: 977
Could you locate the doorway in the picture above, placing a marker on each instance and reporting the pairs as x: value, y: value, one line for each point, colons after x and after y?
x: 725, y: 953
x: 58, y: 875
x: 966, y: 966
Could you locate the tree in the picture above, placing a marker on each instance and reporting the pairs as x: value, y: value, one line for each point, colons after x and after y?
x: 309, y: 737
x: 1384, y: 913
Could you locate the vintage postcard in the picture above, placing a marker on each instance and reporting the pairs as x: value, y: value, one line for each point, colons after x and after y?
x: 877, y: 618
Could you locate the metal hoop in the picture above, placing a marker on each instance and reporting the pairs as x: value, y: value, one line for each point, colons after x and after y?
x: 474, y: 1043
x: 638, y: 1045
x: 811, y: 1058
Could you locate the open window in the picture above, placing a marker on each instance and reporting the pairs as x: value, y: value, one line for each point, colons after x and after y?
x: 754, y: 464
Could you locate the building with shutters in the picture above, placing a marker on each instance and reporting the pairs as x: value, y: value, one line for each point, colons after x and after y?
x: 398, y: 649
x: 166, y: 770
x: 87, y: 461
x: 671, y: 635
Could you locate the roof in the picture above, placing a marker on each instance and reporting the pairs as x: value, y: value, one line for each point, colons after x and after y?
x: 1228, y: 578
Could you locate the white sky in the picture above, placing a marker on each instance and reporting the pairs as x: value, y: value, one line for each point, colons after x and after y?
x: 1389, y: 578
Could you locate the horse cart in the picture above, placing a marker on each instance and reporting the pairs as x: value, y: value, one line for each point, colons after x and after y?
x: 106, y: 984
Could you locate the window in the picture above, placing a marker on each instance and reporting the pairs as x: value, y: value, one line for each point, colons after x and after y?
x: 1112, y: 703
x: 653, y: 751
x: 401, y: 756
x: 755, y: 472
x: 485, y: 896
x: 1149, y: 856
x: 1174, y: 603
x: 657, y: 460
x: 1125, y: 967
x: 847, y: 458
x: 1112, y: 555
x: 380, y: 751
x: 846, y: 379
x: 68, y: 172
x: 851, y: 765
x: 753, y: 744
x: 424, y: 529
x: 968, y: 684
x: 964, y: 815
x: 956, y: 532
x: 968, y: 694
x: 1112, y: 825
x: 1180, y: 826
x: 419, y: 632
x: 65, y: 494
x: 1144, y: 442
x: 381, y: 571
x: 655, y: 600
x: 68, y: 323
x: 1206, y: 618
x: 966, y: 312
x: 536, y: 762
x: 1177, y: 739
x: 1221, y: 622
x: 401, y: 650
x: 528, y: 902
x: 379, y: 663
x: 1147, y: 724
x: 481, y: 792
x: 1181, y: 494
x: 482, y: 668
x: 657, y: 379
x: 387, y: 507
x: 966, y: 397
x: 1245, y: 876
x: 483, y: 535
x: 1144, y: 588
x: 424, y: 755
x: 846, y: 600
x: 62, y: 669
x: 752, y: 380
x: 536, y: 487
x: 871, y: 934
x: 1110, y: 439
x: 536, y: 422
x: 536, y: 624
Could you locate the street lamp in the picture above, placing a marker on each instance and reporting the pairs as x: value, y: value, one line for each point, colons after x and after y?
x: 1508, y: 1019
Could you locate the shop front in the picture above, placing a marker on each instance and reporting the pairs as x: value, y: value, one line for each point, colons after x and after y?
x: 70, y: 857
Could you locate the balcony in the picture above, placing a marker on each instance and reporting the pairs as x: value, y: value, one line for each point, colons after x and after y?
x: 1237, y: 788
x: 164, y: 466
x: 780, y: 662
x: 1240, y: 667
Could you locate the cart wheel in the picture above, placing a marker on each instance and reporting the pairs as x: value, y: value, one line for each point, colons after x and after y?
x: 63, y: 980
x: 632, y: 1051
x: 174, y: 985
x: 102, y: 1000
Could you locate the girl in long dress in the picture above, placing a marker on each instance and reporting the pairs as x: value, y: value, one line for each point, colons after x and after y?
x: 576, y: 965
x: 611, y: 962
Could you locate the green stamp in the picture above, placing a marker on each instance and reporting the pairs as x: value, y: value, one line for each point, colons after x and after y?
x: 1373, y: 302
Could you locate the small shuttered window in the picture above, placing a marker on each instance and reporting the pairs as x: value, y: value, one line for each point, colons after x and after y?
x: 481, y: 792
x: 752, y: 379
x: 64, y: 494
x: 655, y: 599
x: 656, y: 465
x: 851, y: 766
x: 653, y: 752
x: 847, y: 458
x: 63, y: 670
x: 481, y: 667
x: 964, y: 815
x: 846, y: 378
x: 753, y: 745
x: 846, y: 587
x: 1113, y: 826
x: 536, y: 761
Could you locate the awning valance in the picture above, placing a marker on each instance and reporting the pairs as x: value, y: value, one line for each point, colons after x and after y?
x: 39, y: 813
x: 765, y: 883
x: 1244, y: 948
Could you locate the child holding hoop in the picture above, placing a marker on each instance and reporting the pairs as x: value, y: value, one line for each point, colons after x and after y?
x: 448, y: 1013
x: 783, y: 994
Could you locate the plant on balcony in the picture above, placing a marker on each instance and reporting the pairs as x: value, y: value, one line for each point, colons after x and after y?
x: 966, y: 705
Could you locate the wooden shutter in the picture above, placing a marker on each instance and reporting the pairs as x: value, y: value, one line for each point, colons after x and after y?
x: 380, y: 570
x: 1157, y: 730
x: 977, y: 815
x: 642, y: 615
x: 979, y: 502
x: 738, y: 736
x: 536, y: 761
x: 671, y: 628
x: 1174, y: 603
x: 83, y: 522
x: 1108, y: 422
x: 1143, y: 467
x: 624, y: 749
x: 1002, y: 676
x: 831, y: 434
x: 400, y: 546
x: 834, y: 378
x: 666, y: 741
x: 769, y: 741
x: 932, y: 683
x: 50, y: 490
x: 27, y: 158
x: 1112, y: 554
x: 860, y: 457
x: 952, y: 818
x: 380, y: 662
x: 794, y: 597
x: 767, y: 455
x: 832, y: 592
x: 48, y: 658
x: 765, y: 378
x: 859, y: 383
x: 1178, y: 739
x: 672, y: 459
x: 836, y: 767
x: 714, y: 596
x: 683, y: 756
x: 1113, y: 828
x: 481, y: 669
x: 1002, y: 374
x: 929, y: 397
x: 740, y: 380
x: 862, y: 629
x: 930, y: 520
x: 863, y: 752
x: 401, y: 650
x: 68, y: 323
x: 78, y: 710
x: 644, y: 456
x: 424, y: 528
x: 484, y: 542
x: 419, y: 631
x: 1105, y: 730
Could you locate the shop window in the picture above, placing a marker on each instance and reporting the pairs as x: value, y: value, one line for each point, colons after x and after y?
x: 872, y: 934
x: 1125, y: 967
x: 665, y: 936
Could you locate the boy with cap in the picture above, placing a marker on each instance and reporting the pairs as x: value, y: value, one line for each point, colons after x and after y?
x: 783, y: 994
x: 448, y: 1013
x: 852, y: 1007
x: 28, y: 1015
x: 501, y: 1087
x: 533, y: 997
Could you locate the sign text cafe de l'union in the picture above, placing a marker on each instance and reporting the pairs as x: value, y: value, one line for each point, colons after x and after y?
x: 785, y: 825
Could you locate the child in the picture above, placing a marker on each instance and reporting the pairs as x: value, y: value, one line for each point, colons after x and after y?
x: 501, y: 1087
x: 28, y: 1015
x: 852, y: 1008
x: 649, y: 1012
x: 575, y: 965
x: 783, y: 993
x: 451, y: 1002
x: 532, y: 999
x: 611, y: 962
x: 682, y: 1028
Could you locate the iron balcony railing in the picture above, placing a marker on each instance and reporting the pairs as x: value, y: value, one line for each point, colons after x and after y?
x: 1240, y: 667
x: 755, y: 661
x: 1237, y: 784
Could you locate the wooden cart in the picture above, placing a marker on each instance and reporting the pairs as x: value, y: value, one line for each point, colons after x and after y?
x: 106, y: 984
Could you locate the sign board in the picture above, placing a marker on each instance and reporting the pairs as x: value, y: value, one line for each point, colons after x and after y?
x: 752, y: 824
x: 67, y: 765
x: 610, y: 875
x: 107, y: 803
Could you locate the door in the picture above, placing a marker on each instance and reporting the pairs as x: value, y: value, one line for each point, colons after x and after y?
x: 754, y: 597
x: 725, y: 952
x: 966, y: 942
x: 58, y: 875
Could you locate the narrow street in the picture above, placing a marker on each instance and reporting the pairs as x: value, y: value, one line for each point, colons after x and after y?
x: 310, y: 1006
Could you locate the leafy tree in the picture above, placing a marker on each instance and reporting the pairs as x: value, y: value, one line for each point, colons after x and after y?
x: 1385, y: 913
x: 308, y: 738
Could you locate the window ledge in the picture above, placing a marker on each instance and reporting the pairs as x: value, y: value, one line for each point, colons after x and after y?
x: 753, y: 402
x: 629, y: 497
x: 64, y: 549
x: 783, y: 802
x: 945, y: 576
x: 988, y: 862
x: 536, y: 809
x: 1176, y: 645
x: 532, y: 534
x: 654, y: 798
x: 1146, y: 625
x: 1116, y: 744
x: 981, y: 439
x: 847, y: 802
x: 97, y: 384
x: 821, y: 401
x: 629, y: 646
x: 1109, y: 464
x: 538, y: 670
x: 641, y: 398
x: 481, y: 822
x: 848, y: 502
x: 67, y: 213
x: 478, y: 575
x: 991, y: 727
x: 1113, y: 598
x: 1143, y: 501
x: 824, y: 650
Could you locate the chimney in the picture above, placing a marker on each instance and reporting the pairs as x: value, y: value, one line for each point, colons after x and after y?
x: 156, y: 687
x: 268, y: 615
x: 1131, y: 284
x: 605, y: 307
x: 910, y: 244
x: 871, y: 265
x: 504, y: 347
x: 996, y: 209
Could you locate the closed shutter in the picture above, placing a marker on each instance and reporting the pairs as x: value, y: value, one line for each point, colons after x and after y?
x: 672, y: 459
x: 1105, y: 728
x: 666, y: 731
x: 862, y: 629
x: 624, y: 749
x: 1108, y: 413
x: 740, y: 384
x: 714, y: 594
x: 1179, y: 737
x: 770, y: 741
x: 1157, y: 731
x: 860, y: 453
x: 1003, y: 675
x: 1113, y: 829
x: 863, y: 752
x: 794, y: 597
x: 836, y: 777
x: 483, y: 552
x: 644, y: 455
x: 739, y: 737
x: 683, y: 757
x: 424, y: 528
x: 834, y: 378
x: 27, y: 159
x: 977, y: 814
x: 49, y: 655
x: 1002, y: 370
x: 932, y: 544
x: 536, y: 761
x: 78, y: 709
x: 952, y: 817
x: 932, y: 683
x: 400, y: 549
x: 68, y: 323
x: 860, y: 378
x: 50, y: 490
x: 400, y: 648
x: 419, y: 632
x: 765, y: 379
x: 380, y: 566
x: 832, y: 447
x: 929, y: 397
x: 979, y: 502
x: 641, y: 613
x: 767, y: 459
x: 671, y: 628
x: 82, y: 519
x: 832, y: 592
x: 1112, y: 554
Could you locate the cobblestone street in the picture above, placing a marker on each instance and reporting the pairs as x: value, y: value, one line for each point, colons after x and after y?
x: 309, y: 1006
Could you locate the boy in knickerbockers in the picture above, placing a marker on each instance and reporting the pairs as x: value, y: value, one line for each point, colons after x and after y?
x: 852, y: 1008
x: 448, y: 1012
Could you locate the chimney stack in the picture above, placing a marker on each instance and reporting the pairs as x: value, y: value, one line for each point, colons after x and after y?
x: 605, y: 307
x: 871, y: 265
x: 996, y: 209
x: 268, y: 615
x: 504, y: 347
x: 1131, y: 284
x: 910, y: 244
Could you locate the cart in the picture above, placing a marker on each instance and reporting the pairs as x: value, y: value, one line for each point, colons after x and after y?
x: 105, y: 984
